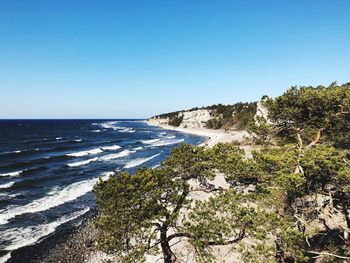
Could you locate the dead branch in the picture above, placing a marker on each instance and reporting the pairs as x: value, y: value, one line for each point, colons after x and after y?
x: 327, y: 254
x: 299, y: 169
x: 317, y: 137
x: 342, y: 110
x: 301, y: 220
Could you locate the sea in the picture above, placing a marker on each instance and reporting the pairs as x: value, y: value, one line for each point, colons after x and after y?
x: 48, y: 169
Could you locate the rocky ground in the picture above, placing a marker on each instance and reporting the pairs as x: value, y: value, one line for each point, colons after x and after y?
x: 77, y: 248
x: 72, y: 243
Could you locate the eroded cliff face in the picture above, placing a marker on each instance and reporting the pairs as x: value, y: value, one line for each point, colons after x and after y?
x: 158, y: 121
x: 195, y: 119
x: 198, y: 118
x: 262, y: 111
x: 189, y: 119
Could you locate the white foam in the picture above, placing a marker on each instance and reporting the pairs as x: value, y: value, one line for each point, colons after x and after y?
x: 83, y: 162
x: 171, y: 137
x: 84, y: 153
x: 130, y: 130
x: 18, y: 151
x: 116, y: 155
x: 54, y: 198
x: 7, y: 185
x: 4, y: 258
x: 150, y: 141
x: 110, y: 148
x: 9, y: 196
x: 138, y: 148
x: 25, y: 236
x: 95, y: 130
x: 108, y: 174
x: 139, y: 161
x: 166, y: 142
x: 11, y: 174
x: 110, y: 125
x: 162, y: 133
x: 59, y: 138
x: 78, y: 140
x: 107, y: 157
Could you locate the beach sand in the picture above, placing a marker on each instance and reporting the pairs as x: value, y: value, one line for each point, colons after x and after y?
x: 214, y: 136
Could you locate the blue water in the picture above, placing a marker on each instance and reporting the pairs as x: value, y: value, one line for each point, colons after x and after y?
x: 48, y: 169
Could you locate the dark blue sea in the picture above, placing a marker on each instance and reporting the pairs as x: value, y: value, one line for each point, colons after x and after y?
x: 49, y: 167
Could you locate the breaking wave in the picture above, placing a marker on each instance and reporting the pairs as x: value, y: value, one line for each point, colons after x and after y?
x: 130, y: 130
x: 25, y: 236
x: 150, y: 141
x: 166, y: 142
x: 139, y: 161
x: 84, y: 153
x: 109, y: 125
x: 83, y: 162
x: 11, y: 174
x: 54, y: 198
x: 7, y: 185
x: 116, y: 155
x: 107, y: 157
x: 111, y: 148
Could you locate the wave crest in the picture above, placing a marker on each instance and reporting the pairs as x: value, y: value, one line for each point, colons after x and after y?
x: 139, y: 161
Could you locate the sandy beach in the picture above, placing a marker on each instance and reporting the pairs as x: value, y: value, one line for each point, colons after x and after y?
x: 213, y: 136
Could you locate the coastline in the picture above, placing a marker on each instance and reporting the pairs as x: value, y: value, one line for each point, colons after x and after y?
x: 76, y: 243
x: 213, y: 136
x: 71, y: 242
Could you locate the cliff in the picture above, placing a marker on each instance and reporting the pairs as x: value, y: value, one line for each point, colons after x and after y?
x: 187, y: 119
x: 219, y: 116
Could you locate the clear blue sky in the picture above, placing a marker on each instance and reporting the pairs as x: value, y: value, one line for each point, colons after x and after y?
x: 124, y: 59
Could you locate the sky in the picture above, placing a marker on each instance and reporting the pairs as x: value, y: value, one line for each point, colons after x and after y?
x: 138, y: 58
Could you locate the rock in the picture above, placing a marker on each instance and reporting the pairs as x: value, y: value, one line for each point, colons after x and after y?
x: 195, y: 119
x: 191, y: 119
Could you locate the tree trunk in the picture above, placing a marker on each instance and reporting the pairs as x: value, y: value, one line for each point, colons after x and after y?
x: 279, y: 249
x: 164, y: 243
x: 347, y: 218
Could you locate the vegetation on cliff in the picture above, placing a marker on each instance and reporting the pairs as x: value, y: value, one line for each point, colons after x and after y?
x: 289, y: 202
x: 222, y: 116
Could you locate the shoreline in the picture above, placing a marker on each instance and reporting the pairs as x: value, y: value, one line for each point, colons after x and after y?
x: 71, y: 242
x: 213, y: 137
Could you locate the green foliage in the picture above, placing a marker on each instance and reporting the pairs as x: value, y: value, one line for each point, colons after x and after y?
x: 313, y: 109
x: 325, y: 165
x: 214, y: 123
x: 190, y: 162
x: 223, y: 219
x: 176, y: 120
x: 231, y: 116
x: 259, y: 130
x: 142, y: 212
x: 224, y: 116
x: 321, y: 166
x: 129, y: 205
x: 230, y: 160
x: 136, y: 211
x: 293, y: 184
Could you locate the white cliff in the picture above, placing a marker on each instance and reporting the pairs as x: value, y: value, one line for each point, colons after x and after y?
x: 195, y: 119
x: 190, y: 119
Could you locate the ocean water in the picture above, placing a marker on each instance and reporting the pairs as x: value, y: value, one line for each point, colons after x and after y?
x: 49, y: 167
